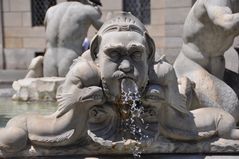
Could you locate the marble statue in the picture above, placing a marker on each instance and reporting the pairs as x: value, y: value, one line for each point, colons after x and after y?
x: 67, y: 25
x: 209, y: 31
x: 35, y: 68
x: 115, y: 93
x: 198, y: 124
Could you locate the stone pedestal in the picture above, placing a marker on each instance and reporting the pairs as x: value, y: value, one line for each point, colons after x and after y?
x: 161, y: 146
x: 37, y: 89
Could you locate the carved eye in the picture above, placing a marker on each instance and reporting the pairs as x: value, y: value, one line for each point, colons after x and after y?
x: 136, y: 55
x: 97, y: 115
x: 114, y: 55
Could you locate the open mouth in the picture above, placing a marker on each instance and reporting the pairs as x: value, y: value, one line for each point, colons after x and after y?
x: 128, y: 86
x: 121, y: 75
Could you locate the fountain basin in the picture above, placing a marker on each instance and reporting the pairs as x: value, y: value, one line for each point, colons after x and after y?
x: 98, y: 147
x: 10, y: 108
x: 161, y: 146
x: 37, y: 89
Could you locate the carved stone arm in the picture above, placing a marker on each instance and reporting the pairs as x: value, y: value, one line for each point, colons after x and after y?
x: 95, y: 18
x: 223, y: 16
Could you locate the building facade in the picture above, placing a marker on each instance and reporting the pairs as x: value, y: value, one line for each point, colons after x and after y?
x: 22, y: 33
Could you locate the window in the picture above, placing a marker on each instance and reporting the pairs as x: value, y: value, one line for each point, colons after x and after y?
x: 39, y: 54
x: 139, y: 8
x: 39, y: 8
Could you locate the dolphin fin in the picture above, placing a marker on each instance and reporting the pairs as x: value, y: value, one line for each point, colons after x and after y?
x: 52, y: 138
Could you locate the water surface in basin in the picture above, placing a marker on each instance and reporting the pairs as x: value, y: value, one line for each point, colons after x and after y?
x: 9, y: 108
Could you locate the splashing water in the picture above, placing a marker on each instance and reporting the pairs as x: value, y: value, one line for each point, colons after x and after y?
x: 131, y: 110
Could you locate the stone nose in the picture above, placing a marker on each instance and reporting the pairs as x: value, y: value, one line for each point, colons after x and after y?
x: 125, y: 66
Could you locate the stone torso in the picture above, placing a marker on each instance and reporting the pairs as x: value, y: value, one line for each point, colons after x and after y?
x: 67, y: 25
x: 202, y: 36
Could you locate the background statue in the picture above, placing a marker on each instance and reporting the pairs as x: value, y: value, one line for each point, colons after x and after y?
x: 209, y: 30
x: 35, y: 69
x: 67, y: 25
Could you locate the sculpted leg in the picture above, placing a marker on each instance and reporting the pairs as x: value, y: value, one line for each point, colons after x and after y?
x: 217, y: 66
x: 210, y: 91
x: 49, y: 67
x: 66, y: 57
x: 35, y: 68
x: 212, y: 119
x: 63, y: 70
x: 227, y: 127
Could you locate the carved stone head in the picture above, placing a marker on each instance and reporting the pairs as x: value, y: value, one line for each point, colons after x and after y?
x: 122, y: 49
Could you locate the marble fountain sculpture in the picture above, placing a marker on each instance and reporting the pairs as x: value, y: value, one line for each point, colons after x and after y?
x: 64, y: 35
x: 117, y: 99
x: 208, y: 32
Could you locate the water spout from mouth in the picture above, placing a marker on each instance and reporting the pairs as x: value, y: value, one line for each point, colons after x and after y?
x: 129, y: 91
x: 131, y: 110
x: 131, y: 132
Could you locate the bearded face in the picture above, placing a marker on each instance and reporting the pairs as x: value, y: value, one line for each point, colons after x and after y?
x: 122, y: 55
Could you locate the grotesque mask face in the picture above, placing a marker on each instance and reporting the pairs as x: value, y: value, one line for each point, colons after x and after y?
x: 122, y: 55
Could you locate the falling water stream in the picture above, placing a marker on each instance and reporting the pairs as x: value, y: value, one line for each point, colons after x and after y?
x: 133, y: 128
x: 131, y: 111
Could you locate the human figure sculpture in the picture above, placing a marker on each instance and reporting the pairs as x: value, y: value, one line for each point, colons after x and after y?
x: 122, y: 49
x: 91, y: 96
x: 67, y: 25
x: 35, y: 68
x: 209, y: 30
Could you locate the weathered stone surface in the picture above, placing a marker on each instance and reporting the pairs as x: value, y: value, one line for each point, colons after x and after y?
x: 108, y: 5
x: 13, y: 19
x: 176, y: 15
x: 232, y: 60
x: 216, y: 145
x: 26, y: 19
x: 158, y: 17
x: 19, y: 58
x: 40, y: 89
x: 25, y: 32
x: 6, y: 5
x: 66, y: 41
x: 13, y: 43
x: 19, y: 5
x: 175, y: 3
x: 33, y: 42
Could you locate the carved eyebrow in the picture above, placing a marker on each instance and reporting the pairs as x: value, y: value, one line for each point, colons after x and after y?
x: 113, y: 47
x: 137, y: 46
